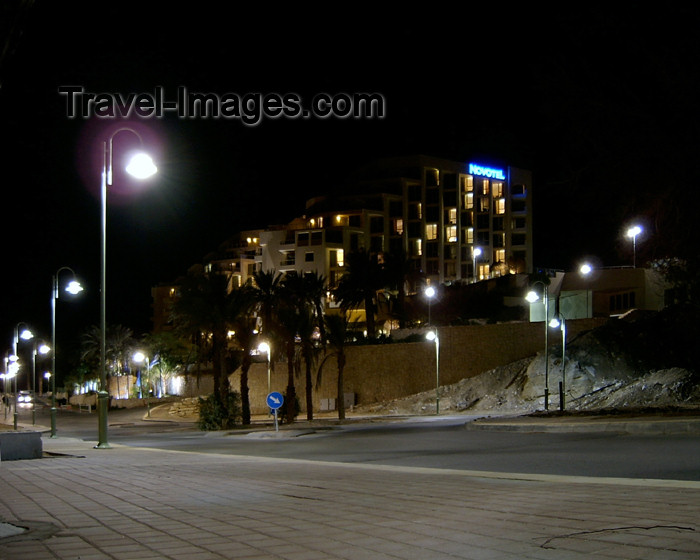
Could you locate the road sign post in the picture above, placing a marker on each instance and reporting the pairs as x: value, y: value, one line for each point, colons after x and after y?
x: 274, y: 401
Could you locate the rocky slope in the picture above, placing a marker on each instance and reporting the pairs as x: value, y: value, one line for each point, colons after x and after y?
x: 641, y: 361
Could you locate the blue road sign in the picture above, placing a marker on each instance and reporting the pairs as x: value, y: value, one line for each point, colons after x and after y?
x: 275, y: 400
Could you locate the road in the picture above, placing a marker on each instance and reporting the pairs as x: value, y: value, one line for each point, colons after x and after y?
x: 418, y: 442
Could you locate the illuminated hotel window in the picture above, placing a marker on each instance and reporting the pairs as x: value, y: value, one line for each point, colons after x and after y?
x: 483, y: 205
x: 431, y: 231
x: 500, y: 206
x: 452, y: 215
x: 416, y: 247
x: 499, y: 255
x: 484, y: 186
x: 467, y: 184
x: 451, y: 234
x: 336, y: 257
x: 398, y: 226
x: 469, y: 200
x: 469, y: 237
x: 497, y: 190
x: 415, y: 211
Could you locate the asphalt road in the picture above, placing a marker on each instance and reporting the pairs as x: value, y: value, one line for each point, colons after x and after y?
x: 420, y: 442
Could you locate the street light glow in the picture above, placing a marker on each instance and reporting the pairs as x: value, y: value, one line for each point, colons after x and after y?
x: 634, y: 231
x: 585, y: 269
x: 141, y: 166
x: 532, y: 296
x: 74, y: 287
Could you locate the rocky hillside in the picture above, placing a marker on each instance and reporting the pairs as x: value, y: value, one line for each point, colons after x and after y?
x: 642, y: 360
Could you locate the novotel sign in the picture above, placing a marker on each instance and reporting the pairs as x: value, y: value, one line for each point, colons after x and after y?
x: 490, y: 172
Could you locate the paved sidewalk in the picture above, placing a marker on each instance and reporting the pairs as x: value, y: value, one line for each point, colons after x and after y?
x: 129, y: 503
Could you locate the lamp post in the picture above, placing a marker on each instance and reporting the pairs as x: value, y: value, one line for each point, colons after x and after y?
x: 633, y: 232
x: 476, y: 252
x: 430, y: 294
x: 265, y: 347
x: 533, y: 297
x: 26, y: 334
x: 141, y: 166
x: 554, y: 323
x: 140, y: 357
x: 38, y: 349
x: 73, y: 288
x: 433, y: 336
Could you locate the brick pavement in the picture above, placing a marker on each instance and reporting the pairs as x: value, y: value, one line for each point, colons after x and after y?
x: 126, y: 503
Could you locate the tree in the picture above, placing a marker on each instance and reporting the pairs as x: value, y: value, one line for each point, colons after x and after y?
x: 337, y: 331
x: 243, y: 323
x: 119, y: 344
x: 359, y: 285
x: 203, y: 307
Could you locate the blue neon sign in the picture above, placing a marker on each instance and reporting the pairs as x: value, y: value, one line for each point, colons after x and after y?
x: 490, y: 172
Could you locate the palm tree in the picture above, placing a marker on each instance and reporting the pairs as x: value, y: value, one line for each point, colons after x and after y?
x: 243, y: 323
x: 315, y: 289
x: 359, y: 285
x: 119, y: 343
x: 337, y: 330
x: 306, y: 327
x: 203, y: 307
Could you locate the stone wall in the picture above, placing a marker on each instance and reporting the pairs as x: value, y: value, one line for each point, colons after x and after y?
x: 384, y: 372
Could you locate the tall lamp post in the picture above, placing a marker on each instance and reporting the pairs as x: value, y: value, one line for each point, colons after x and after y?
x: 38, y: 349
x: 476, y: 252
x: 433, y: 336
x: 265, y: 347
x: 140, y: 357
x: 559, y: 321
x: 26, y: 334
x: 633, y: 232
x: 141, y: 166
x: 532, y: 297
x: 73, y: 288
x: 430, y: 294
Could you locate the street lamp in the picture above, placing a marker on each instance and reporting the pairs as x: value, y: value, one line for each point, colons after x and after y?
x: 554, y: 323
x: 476, y: 252
x: 73, y: 288
x: 141, y: 166
x: 532, y: 297
x: 430, y: 294
x: 26, y: 334
x: 265, y: 347
x: 38, y: 349
x: 633, y: 232
x: 139, y: 358
x: 433, y: 336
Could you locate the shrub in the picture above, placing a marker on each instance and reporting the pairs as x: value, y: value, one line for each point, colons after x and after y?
x: 216, y: 414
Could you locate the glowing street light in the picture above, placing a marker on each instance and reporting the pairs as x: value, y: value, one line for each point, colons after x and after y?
x: 26, y: 334
x: 141, y: 166
x: 560, y: 322
x: 532, y: 297
x: 265, y: 347
x: 42, y: 349
x: 433, y: 336
x: 73, y: 288
x: 476, y: 252
x: 139, y: 358
x: 430, y: 294
x: 633, y: 232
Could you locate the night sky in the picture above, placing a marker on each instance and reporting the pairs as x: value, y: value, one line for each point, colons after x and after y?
x: 601, y: 105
